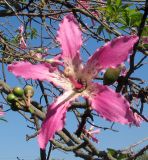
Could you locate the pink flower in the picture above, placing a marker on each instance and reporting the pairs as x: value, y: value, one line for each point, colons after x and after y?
x: 22, y: 42
x: 1, y: 112
x: 77, y: 79
x: 21, y: 29
x: 91, y: 132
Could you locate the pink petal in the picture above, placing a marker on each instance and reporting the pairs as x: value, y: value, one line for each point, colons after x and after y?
x: 55, y: 118
x: 94, y: 139
x: 111, y: 54
x: 85, y: 3
x: 56, y: 60
x: 41, y: 72
x: 23, y: 44
x: 90, y: 134
x: 111, y: 105
x: 21, y: 29
x: 97, y: 131
x: 1, y: 113
x: 69, y: 36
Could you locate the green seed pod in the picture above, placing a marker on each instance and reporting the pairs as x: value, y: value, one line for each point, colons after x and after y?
x: 111, y: 75
x: 39, y: 50
x: 28, y: 91
x: 11, y: 97
x: 18, y: 91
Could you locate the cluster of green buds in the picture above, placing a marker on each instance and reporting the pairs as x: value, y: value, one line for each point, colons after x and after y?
x: 19, y: 95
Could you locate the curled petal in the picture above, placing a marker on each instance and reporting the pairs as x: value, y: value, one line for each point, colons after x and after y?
x: 111, y: 105
x: 111, y: 54
x: 55, y: 118
x: 41, y: 72
x: 69, y: 36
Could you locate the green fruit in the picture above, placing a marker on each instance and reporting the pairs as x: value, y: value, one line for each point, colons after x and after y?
x: 11, y: 97
x: 18, y: 91
x: 39, y: 50
x: 28, y: 91
x: 111, y: 75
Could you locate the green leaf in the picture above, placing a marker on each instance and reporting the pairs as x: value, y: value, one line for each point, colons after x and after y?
x: 33, y: 33
x: 112, y: 151
x: 122, y: 156
x: 123, y: 28
x: 108, y: 2
x: 100, y: 29
x: 145, y: 31
x: 118, y: 3
x: 132, y: 17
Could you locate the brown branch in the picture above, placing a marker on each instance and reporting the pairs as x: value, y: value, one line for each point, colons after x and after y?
x: 139, y: 153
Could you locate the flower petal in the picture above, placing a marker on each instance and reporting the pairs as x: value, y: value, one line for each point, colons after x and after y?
x: 111, y: 105
x: 1, y: 113
x: 69, y: 36
x: 111, y: 54
x: 41, y: 72
x: 21, y: 29
x: 55, y: 118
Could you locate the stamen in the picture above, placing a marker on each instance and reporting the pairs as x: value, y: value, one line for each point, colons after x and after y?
x: 83, y: 86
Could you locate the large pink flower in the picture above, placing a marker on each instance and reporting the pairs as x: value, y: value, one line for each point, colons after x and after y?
x: 76, y: 79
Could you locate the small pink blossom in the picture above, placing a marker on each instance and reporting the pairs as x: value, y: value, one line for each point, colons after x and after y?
x: 21, y: 29
x: 22, y: 42
x: 1, y: 112
x: 91, y: 132
x: 77, y: 79
x: 123, y: 69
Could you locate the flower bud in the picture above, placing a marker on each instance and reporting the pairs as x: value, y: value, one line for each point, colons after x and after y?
x: 11, y: 97
x: 18, y: 91
x: 28, y: 91
x: 111, y: 75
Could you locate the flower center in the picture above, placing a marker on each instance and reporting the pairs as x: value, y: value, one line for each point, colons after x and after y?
x: 81, y: 86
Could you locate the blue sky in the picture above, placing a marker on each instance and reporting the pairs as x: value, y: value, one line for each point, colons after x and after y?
x: 12, y: 134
